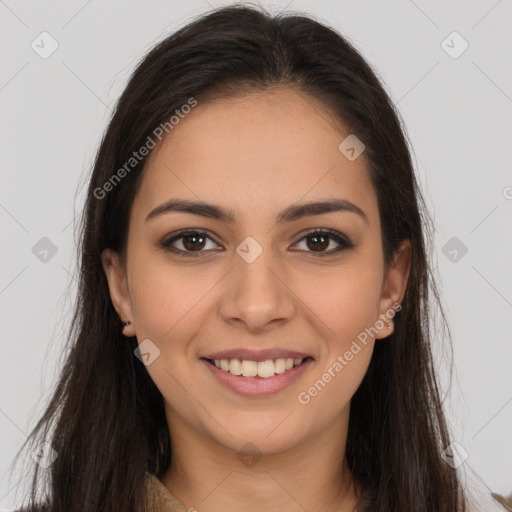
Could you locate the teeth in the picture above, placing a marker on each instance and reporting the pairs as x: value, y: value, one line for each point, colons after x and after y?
x: 266, y: 369
x: 280, y: 366
x: 263, y: 369
x: 235, y: 367
x: 249, y: 368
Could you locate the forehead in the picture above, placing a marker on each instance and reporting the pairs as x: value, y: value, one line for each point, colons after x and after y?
x: 272, y: 148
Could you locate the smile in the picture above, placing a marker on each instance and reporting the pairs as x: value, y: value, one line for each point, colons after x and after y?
x: 263, y: 369
x: 252, y: 378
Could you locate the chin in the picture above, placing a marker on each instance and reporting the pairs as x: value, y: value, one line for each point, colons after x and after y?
x: 260, y: 440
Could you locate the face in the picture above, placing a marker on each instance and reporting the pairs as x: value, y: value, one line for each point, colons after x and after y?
x: 280, y: 280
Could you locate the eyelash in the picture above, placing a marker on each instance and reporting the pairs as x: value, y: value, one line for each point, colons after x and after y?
x: 344, y: 242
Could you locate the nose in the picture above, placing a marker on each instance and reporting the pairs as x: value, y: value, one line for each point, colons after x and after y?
x: 256, y: 294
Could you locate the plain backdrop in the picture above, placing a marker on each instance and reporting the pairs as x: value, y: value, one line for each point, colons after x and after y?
x: 456, y: 103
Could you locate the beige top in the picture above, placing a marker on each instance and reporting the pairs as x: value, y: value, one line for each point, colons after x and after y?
x: 159, y: 499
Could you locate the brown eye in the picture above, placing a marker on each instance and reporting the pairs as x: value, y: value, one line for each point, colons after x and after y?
x: 193, y: 242
x: 319, y: 240
x: 186, y: 243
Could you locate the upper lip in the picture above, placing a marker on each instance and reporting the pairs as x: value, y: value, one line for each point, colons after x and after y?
x: 256, y: 355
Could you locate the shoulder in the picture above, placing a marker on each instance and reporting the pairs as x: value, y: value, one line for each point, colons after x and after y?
x: 159, y: 498
x: 505, y: 501
x: 480, y: 496
x: 484, y: 500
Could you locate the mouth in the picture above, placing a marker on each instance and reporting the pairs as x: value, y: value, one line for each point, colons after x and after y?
x: 260, y: 369
x: 251, y: 378
x: 257, y: 373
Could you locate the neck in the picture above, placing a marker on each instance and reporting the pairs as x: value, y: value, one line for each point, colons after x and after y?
x: 207, y: 476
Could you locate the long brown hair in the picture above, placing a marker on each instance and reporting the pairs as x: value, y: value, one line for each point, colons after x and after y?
x: 106, y: 417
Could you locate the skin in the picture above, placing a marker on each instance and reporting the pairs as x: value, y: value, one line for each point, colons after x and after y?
x: 256, y: 155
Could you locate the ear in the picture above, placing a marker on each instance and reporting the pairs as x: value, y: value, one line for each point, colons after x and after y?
x: 114, y: 268
x: 393, y: 288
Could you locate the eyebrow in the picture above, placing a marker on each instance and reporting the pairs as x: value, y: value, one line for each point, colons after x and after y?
x: 289, y: 214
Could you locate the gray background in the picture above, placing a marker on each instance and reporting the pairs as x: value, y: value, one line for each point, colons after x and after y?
x: 457, y: 113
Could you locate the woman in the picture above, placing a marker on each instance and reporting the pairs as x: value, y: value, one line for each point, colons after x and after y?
x: 252, y: 326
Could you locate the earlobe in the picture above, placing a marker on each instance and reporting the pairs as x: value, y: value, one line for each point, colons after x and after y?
x: 395, y: 285
x: 114, y: 269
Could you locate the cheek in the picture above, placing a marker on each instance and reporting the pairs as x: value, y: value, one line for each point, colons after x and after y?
x: 348, y: 307
x: 346, y: 300
x: 167, y: 305
x: 167, y: 298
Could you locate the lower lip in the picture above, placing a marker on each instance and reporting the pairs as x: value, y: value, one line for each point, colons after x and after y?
x: 257, y: 386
